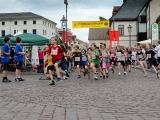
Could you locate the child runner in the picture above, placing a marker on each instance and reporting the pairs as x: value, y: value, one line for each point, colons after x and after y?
x: 18, y: 58
x: 89, y: 51
x: 129, y: 58
x: 5, y: 59
x: 84, y: 62
x: 141, y: 59
x: 113, y: 59
x: 133, y: 57
x: 120, y: 59
x: 77, y: 54
x: 105, y: 60
x: 151, y: 58
x: 56, y: 52
x: 96, y: 62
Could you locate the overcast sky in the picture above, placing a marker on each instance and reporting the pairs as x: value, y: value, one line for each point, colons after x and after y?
x: 55, y: 9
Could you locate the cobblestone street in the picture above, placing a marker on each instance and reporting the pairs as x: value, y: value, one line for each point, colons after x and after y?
x: 131, y: 97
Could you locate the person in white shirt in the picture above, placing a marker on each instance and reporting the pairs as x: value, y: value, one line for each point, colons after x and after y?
x: 157, y: 49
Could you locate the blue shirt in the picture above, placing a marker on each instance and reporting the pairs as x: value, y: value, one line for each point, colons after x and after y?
x: 130, y: 54
x: 5, y: 48
x: 18, y: 57
x: 84, y: 59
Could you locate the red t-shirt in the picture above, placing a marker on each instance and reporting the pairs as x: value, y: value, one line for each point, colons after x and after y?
x: 40, y: 54
x: 56, y: 52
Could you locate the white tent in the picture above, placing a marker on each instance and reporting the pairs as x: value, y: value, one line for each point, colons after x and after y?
x: 145, y: 41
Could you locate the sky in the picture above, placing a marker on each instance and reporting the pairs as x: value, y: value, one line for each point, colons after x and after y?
x: 55, y: 9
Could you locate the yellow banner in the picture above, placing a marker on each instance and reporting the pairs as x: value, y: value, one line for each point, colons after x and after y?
x: 90, y: 24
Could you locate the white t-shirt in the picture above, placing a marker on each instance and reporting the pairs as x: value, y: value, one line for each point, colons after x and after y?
x: 158, y: 49
x: 133, y: 55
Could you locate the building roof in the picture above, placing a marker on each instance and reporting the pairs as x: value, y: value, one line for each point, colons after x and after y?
x: 20, y: 15
x: 115, y: 9
x: 130, y: 10
x: 98, y: 34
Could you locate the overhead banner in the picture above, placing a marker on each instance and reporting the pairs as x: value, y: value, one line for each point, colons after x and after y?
x: 155, y: 32
x: 114, y: 38
x: 90, y: 24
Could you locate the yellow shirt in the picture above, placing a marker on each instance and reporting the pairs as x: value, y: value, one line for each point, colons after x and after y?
x: 50, y: 60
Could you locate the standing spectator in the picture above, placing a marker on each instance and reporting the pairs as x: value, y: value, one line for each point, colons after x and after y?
x: 5, y: 59
x: 40, y: 54
x: 18, y: 57
x: 157, y: 49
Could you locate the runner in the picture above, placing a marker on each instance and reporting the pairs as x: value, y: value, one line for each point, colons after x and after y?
x: 113, y: 59
x: 18, y: 58
x: 151, y: 58
x: 129, y: 61
x: 105, y: 55
x: 76, y: 55
x: 96, y: 62
x: 56, y: 52
x: 5, y: 59
x: 89, y: 51
x: 133, y: 57
x: 84, y: 62
x: 120, y: 60
x: 141, y: 59
x: 51, y: 68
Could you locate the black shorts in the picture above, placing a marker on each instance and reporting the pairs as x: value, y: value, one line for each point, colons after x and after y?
x: 158, y: 60
x: 122, y: 63
x: 18, y: 64
x: 128, y: 62
x: 77, y: 63
x: 5, y: 65
x: 51, y: 68
x: 41, y: 62
x: 153, y: 62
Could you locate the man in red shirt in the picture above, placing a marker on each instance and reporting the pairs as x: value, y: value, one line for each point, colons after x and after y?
x: 56, y: 52
x: 40, y: 55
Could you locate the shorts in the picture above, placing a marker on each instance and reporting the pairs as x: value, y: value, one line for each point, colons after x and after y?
x: 5, y: 65
x: 106, y: 65
x: 122, y: 63
x: 128, y: 62
x: 51, y: 68
x: 133, y: 61
x: 158, y: 59
x: 77, y: 63
x: 96, y: 65
x: 18, y: 64
x: 153, y: 62
x: 114, y: 62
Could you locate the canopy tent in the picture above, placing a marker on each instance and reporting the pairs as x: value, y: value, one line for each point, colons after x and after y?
x: 28, y: 39
x: 145, y: 41
x: 9, y: 35
x: 18, y: 33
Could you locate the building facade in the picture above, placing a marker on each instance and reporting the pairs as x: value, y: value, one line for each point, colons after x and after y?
x: 27, y: 22
x: 140, y: 14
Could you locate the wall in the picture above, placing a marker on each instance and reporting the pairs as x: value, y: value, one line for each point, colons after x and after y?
x: 9, y: 26
x: 124, y: 40
x: 154, y: 14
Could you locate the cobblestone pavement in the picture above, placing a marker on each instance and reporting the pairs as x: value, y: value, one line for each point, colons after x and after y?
x: 131, y: 97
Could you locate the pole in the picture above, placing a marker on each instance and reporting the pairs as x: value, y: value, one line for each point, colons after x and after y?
x: 130, y: 38
x: 66, y: 26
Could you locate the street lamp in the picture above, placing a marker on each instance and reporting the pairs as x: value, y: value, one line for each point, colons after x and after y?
x: 129, y: 30
x: 66, y: 3
x: 63, y: 24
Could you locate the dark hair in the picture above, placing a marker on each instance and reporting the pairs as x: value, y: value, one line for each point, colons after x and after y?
x: 94, y: 45
x: 84, y: 50
x: 6, y: 39
x: 77, y: 46
x: 104, y: 44
x: 18, y: 39
x: 154, y: 46
x: 159, y: 42
x: 89, y: 49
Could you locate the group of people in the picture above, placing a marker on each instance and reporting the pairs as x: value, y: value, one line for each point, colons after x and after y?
x: 62, y: 59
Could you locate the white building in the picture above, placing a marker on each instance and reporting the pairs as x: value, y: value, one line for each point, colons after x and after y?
x: 26, y: 22
x: 140, y: 14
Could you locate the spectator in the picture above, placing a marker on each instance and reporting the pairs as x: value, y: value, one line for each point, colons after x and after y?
x: 40, y: 54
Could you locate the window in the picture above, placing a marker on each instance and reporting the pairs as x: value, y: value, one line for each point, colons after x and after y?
x: 43, y: 32
x: 3, y: 23
x: 52, y: 26
x: 34, y: 31
x: 43, y: 22
x: 25, y: 22
x: 24, y: 31
x: 3, y: 33
x: 14, y: 31
x: 34, y: 21
x: 15, y: 22
x: 121, y: 29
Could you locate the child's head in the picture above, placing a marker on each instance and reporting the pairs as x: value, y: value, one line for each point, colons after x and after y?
x: 83, y: 51
x: 76, y: 48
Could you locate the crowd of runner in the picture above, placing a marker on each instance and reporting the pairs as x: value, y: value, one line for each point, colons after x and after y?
x: 63, y: 59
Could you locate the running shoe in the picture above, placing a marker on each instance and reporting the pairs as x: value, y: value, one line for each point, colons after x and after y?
x: 119, y: 74
x: 21, y: 79
x: 6, y: 81
x: 67, y: 74
x: 129, y: 71
x: 17, y: 79
x: 100, y: 76
x: 125, y: 73
x: 52, y: 83
x: 96, y: 78
x: 79, y: 76
x: 104, y: 77
x: 107, y: 75
x: 58, y: 79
